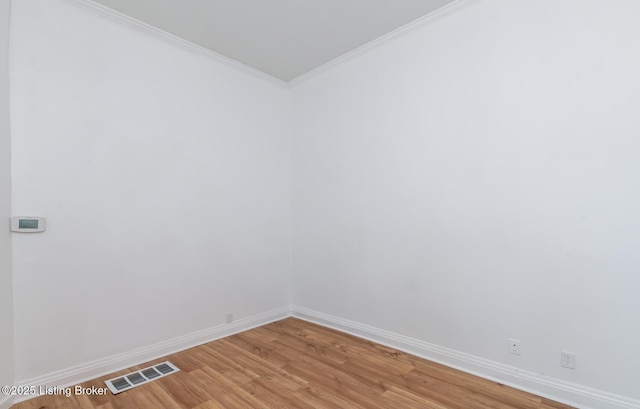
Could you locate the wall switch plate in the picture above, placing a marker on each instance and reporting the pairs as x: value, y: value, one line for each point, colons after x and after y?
x: 568, y: 360
x: 514, y: 346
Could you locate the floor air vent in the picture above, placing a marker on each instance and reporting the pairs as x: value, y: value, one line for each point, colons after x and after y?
x: 126, y: 382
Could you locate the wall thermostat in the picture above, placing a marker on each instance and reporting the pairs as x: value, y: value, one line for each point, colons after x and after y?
x: 27, y: 224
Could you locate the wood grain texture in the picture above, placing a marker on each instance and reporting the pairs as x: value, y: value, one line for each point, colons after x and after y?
x: 296, y: 364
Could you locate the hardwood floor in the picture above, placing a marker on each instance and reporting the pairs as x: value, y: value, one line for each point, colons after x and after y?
x: 296, y: 364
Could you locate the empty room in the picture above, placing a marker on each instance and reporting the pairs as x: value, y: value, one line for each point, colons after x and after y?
x: 320, y: 204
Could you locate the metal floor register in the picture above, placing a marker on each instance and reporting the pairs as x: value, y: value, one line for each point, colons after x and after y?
x: 130, y: 381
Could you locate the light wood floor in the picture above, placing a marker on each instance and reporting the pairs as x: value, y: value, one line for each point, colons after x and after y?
x: 295, y: 364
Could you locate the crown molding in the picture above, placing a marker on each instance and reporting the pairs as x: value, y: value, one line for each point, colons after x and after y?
x: 140, y: 26
x: 403, y: 30
x: 169, y: 38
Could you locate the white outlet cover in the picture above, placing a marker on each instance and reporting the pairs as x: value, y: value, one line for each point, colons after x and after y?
x: 568, y: 360
x: 514, y: 346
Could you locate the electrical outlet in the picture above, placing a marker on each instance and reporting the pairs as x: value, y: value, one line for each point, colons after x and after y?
x: 514, y: 346
x: 229, y: 318
x: 568, y: 360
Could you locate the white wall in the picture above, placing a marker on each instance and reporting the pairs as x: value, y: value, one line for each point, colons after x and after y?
x: 6, y: 307
x: 471, y: 181
x: 477, y: 179
x: 164, y: 177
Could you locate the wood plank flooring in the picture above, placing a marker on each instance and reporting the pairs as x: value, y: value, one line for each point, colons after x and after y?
x: 296, y: 364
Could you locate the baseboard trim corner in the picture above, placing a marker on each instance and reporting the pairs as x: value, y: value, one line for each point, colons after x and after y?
x: 6, y: 402
x: 561, y: 391
x: 101, y: 367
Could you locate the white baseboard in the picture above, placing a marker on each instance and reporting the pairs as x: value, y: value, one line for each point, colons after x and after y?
x: 566, y: 392
x: 6, y: 402
x: 569, y: 393
x: 95, y: 369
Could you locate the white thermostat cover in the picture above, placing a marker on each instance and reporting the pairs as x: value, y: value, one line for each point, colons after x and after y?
x: 27, y: 224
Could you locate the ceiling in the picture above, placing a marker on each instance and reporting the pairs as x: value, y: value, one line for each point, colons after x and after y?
x: 283, y: 38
